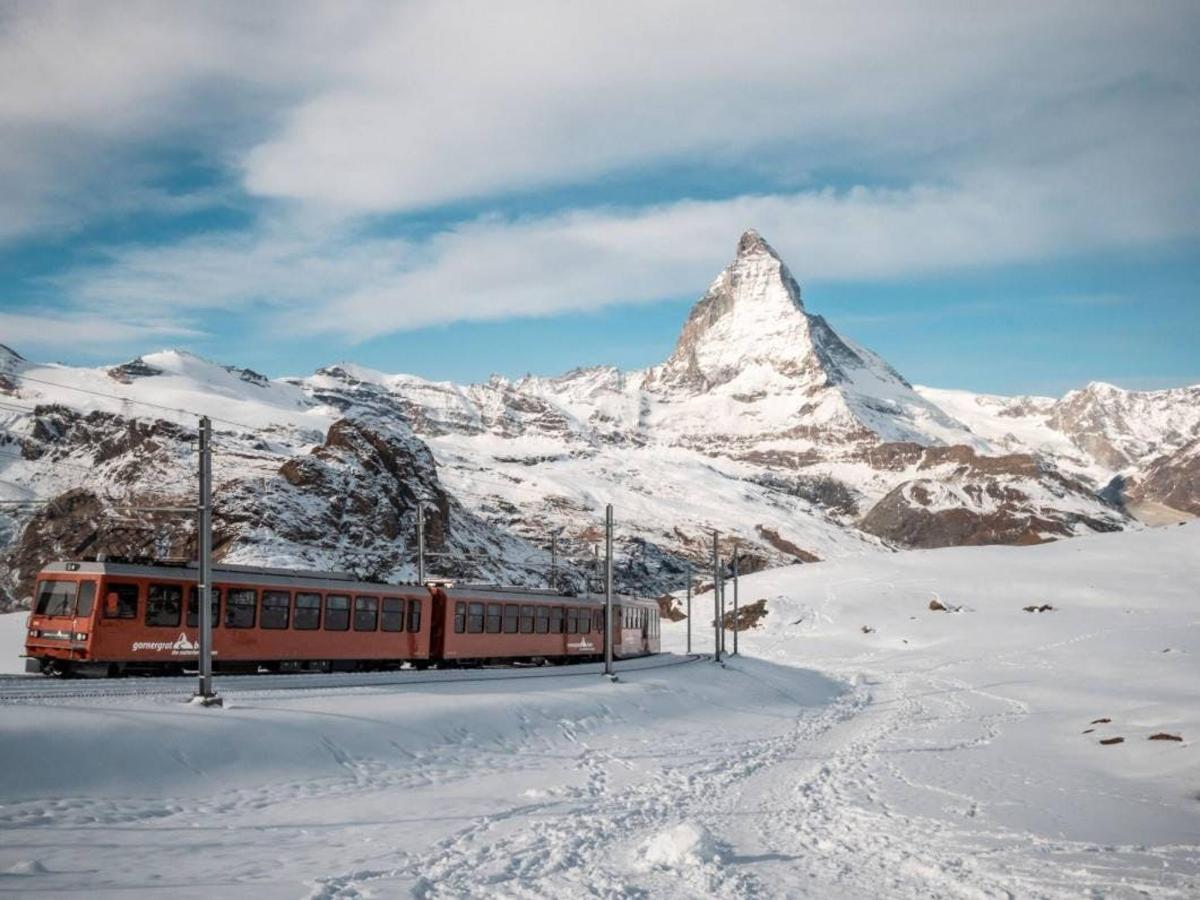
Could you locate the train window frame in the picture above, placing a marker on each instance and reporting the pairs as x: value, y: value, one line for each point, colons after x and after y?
x: 304, y: 622
x: 598, y: 621
x: 475, y: 616
x: 366, y: 605
x: 274, y: 622
x: 414, y: 615
x: 528, y: 619
x: 392, y: 620
x: 585, y: 621
x: 494, y: 618
x: 123, y: 592
x: 237, y: 601
x: 460, y: 617
x: 512, y: 618
x: 87, y: 595
x: 68, y: 594
x: 542, y: 623
x: 160, y: 605
x: 572, y: 620
x: 557, y: 620
x: 191, y: 613
x: 340, y: 610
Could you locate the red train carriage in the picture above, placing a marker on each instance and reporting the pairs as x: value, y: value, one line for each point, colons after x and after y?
x: 109, y: 618
x: 106, y: 618
x: 492, y: 624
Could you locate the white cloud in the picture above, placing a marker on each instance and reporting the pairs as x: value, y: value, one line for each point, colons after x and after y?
x: 1017, y: 132
x: 91, y: 330
x: 319, y: 279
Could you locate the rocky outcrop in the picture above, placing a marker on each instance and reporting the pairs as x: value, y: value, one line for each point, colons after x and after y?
x: 1172, y: 480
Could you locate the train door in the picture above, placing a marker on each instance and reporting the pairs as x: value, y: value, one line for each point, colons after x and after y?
x: 438, y: 605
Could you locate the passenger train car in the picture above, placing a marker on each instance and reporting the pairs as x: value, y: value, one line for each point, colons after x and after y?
x: 109, y: 618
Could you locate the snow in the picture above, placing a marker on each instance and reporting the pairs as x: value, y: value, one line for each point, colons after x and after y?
x: 935, y: 755
x: 12, y: 641
x: 680, y: 846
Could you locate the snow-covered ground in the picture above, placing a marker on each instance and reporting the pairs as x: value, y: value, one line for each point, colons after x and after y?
x: 863, y: 745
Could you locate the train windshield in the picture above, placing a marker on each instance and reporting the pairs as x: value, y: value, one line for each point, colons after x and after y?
x: 56, y: 598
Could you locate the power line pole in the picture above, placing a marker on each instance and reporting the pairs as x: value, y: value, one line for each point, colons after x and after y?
x: 608, y: 590
x: 736, y: 622
x: 688, y: 570
x: 554, y: 561
x: 716, y: 559
x: 420, y: 543
x: 205, y: 694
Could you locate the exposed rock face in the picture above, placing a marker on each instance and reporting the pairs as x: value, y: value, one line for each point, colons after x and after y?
x: 1172, y: 480
x: 348, y: 505
x: 1122, y: 428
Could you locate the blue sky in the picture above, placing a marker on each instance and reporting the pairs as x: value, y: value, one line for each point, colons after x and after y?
x: 992, y: 200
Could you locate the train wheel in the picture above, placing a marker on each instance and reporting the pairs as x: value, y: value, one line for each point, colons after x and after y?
x: 57, y: 668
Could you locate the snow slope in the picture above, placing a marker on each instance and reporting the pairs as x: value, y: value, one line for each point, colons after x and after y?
x: 940, y: 754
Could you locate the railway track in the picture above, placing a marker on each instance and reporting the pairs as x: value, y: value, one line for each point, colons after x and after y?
x: 39, y: 689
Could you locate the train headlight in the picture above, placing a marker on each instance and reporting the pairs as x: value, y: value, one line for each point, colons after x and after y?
x: 79, y: 636
x: 34, y: 633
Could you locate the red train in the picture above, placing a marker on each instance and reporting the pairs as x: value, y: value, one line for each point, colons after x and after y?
x: 107, y: 618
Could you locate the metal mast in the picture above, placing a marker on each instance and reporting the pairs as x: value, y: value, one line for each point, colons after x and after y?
x: 205, y: 692
x: 736, y: 622
x: 716, y: 559
x: 688, y: 570
x: 608, y: 590
x: 420, y: 543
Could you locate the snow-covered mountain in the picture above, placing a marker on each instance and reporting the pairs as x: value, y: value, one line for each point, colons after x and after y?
x: 763, y: 424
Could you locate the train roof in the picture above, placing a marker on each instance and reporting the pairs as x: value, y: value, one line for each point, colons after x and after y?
x: 257, y: 575
x: 326, y: 581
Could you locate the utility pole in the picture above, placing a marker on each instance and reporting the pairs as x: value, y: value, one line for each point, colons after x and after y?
x: 721, y: 592
x: 205, y: 694
x: 688, y: 570
x: 608, y: 590
x: 420, y: 543
x: 716, y: 559
x: 554, y: 561
x: 736, y: 622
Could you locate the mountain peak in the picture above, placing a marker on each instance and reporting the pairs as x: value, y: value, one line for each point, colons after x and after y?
x: 751, y: 243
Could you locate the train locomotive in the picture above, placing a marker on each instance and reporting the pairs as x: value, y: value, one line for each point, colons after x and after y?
x: 116, y: 618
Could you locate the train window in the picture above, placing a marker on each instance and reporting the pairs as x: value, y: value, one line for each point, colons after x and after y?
x: 414, y: 616
x: 164, y: 605
x: 240, y: 604
x: 121, y: 601
x: 193, y: 607
x: 474, y: 618
x: 391, y: 615
x: 572, y: 620
x: 512, y: 618
x: 308, y: 612
x: 275, y: 608
x: 56, y: 598
x: 598, y: 621
x: 585, y: 621
x: 556, y: 620
x: 526, y: 620
x: 366, y: 613
x: 337, y: 612
x: 495, y: 615
x: 87, y: 598
x: 460, y: 617
x: 543, y: 619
